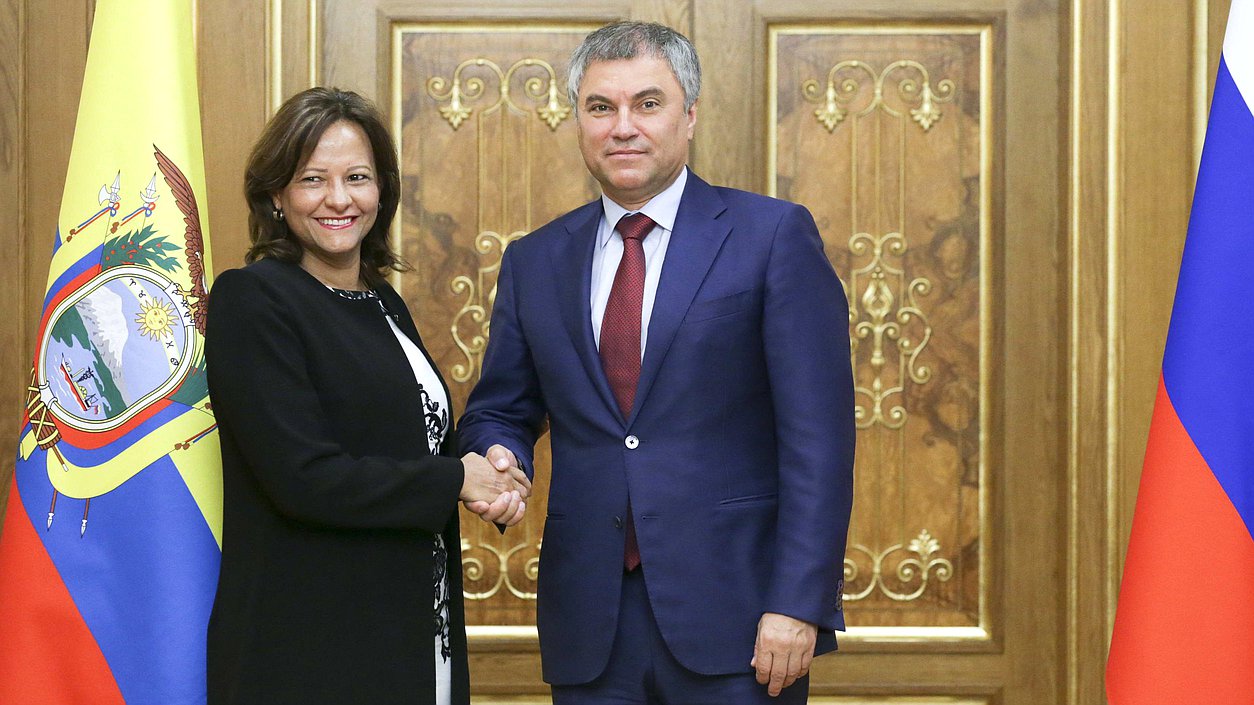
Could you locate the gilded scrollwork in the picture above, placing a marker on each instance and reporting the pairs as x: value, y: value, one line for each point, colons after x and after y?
x: 884, y: 310
x: 462, y: 95
x: 460, y: 91
x: 919, y: 568
x: 884, y: 133
x: 487, y: 569
x: 471, y: 323
x: 842, y: 86
x: 885, y: 320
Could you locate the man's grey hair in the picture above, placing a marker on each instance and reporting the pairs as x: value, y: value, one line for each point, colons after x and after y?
x: 627, y: 40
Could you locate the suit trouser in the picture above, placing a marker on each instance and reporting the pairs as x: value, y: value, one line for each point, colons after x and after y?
x: 642, y: 671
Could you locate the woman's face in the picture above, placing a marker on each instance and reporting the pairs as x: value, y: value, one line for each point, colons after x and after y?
x: 333, y: 198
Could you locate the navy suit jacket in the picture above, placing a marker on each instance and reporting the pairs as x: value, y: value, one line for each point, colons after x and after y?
x: 738, y: 454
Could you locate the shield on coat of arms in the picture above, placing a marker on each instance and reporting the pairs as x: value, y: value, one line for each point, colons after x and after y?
x: 116, y: 345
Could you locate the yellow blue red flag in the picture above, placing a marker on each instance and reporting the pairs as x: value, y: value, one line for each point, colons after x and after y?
x: 111, y: 543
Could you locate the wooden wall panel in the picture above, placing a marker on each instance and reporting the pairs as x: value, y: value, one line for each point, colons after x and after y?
x: 231, y: 47
x: 730, y: 113
x: 12, y: 172
x: 1028, y: 403
x: 293, y: 48
x: 880, y: 132
x: 354, y: 43
x: 1091, y: 581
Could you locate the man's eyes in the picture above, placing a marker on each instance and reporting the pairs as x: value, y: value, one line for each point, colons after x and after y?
x: 647, y: 104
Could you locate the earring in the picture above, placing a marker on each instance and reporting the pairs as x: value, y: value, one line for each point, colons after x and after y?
x: 277, y: 213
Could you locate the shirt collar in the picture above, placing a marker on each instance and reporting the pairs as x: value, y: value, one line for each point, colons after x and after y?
x: 662, y: 208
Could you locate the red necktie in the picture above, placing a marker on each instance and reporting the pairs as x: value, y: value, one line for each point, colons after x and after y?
x: 620, y: 336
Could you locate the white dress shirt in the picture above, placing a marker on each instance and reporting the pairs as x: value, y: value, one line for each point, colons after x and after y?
x: 662, y: 209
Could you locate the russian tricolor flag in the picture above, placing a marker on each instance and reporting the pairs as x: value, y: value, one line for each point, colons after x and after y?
x: 1184, y: 631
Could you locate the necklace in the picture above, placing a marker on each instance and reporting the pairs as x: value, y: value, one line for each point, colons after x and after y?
x: 364, y: 295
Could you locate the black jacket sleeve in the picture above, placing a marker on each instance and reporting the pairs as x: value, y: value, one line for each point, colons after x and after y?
x: 264, y: 396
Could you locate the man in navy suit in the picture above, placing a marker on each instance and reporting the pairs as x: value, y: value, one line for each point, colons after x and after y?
x: 692, y: 365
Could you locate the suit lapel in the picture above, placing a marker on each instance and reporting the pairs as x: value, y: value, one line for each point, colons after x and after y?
x: 695, y: 242
x: 572, y: 260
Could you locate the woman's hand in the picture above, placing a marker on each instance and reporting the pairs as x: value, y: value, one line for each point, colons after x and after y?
x: 496, y: 495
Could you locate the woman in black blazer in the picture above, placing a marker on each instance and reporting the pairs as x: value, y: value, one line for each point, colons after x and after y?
x: 341, y: 570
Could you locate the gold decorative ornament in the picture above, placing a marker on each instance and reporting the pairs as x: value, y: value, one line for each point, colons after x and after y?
x: 881, y: 302
x: 470, y: 324
x: 920, y: 567
x: 884, y: 320
x: 495, y: 571
x: 459, y: 90
x: 479, y: 298
x: 885, y: 178
x: 835, y: 96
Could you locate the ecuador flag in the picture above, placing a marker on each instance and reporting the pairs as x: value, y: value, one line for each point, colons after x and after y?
x: 1184, y: 631
x: 110, y: 546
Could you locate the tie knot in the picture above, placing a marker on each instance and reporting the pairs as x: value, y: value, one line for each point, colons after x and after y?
x: 634, y: 226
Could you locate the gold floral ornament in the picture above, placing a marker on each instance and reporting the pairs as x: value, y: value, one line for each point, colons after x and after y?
x: 455, y: 112
x: 539, y: 88
x: 886, y: 321
x: 831, y: 114
x: 472, y: 339
x: 552, y: 112
x: 918, y: 569
x: 842, y: 86
x: 927, y: 113
x: 516, y: 569
x: 837, y: 95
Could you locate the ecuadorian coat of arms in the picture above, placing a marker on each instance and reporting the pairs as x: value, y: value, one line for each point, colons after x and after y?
x: 119, y: 356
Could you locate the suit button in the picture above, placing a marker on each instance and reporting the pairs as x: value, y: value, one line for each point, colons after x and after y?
x: 631, y: 442
x: 618, y: 522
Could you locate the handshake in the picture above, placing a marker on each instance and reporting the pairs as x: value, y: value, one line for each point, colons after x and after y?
x: 495, y: 487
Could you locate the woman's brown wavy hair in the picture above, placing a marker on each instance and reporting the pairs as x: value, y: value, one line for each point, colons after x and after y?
x: 286, y: 143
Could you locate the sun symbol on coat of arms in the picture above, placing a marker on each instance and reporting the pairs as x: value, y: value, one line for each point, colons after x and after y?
x: 155, y: 319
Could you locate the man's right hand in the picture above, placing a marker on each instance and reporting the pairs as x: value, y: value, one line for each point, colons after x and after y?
x: 503, y: 459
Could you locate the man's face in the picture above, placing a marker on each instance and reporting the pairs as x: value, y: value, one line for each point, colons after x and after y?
x: 633, y: 129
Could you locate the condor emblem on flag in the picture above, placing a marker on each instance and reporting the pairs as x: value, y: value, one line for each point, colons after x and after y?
x: 110, y: 546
